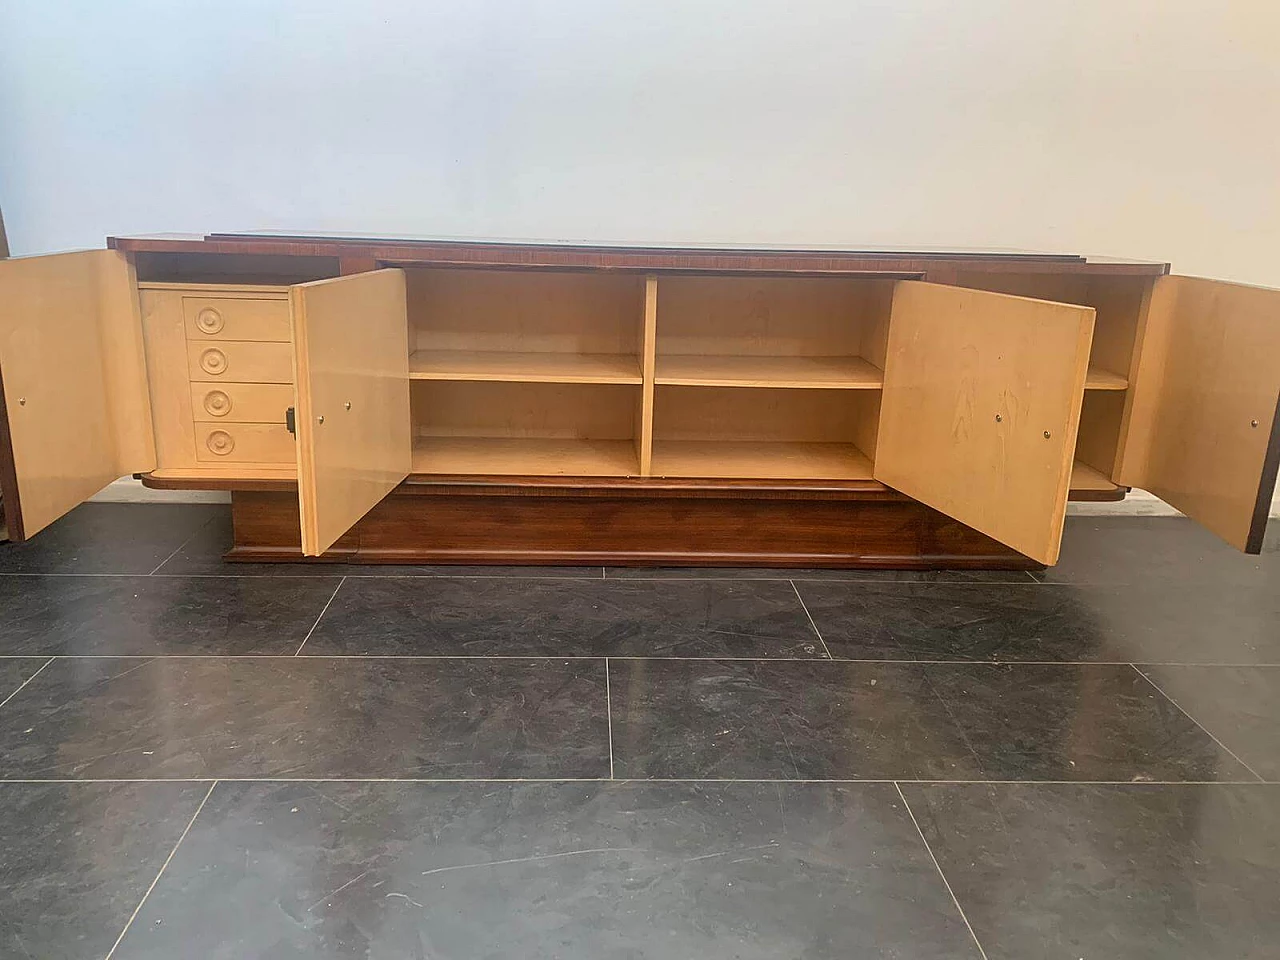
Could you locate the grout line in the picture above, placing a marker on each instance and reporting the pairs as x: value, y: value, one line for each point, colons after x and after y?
x: 976, y: 942
x: 163, y: 866
x: 1160, y: 690
x: 180, y: 546
x: 284, y: 575
x: 603, y: 576
x: 608, y: 700
x: 26, y: 681
x: 319, y: 618
x: 532, y: 656
x: 1137, y: 784
x: 805, y: 608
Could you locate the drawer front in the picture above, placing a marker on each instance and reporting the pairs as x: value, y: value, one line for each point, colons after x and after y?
x: 239, y: 361
x: 244, y: 443
x: 241, y: 402
x: 224, y: 318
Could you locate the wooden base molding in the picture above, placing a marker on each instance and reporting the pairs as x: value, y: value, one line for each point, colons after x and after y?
x: 452, y: 523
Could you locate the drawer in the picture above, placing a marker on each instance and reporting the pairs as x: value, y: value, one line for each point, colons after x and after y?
x: 224, y: 318
x: 241, y: 402
x: 244, y: 443
x: 240, y: 361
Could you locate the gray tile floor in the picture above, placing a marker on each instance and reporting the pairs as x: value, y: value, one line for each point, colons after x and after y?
x: 206, y: 760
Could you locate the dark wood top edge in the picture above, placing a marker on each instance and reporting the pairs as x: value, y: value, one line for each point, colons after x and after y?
x: 664, y: 249
x: 1266, y: 488
x: 481, y: 254
x: 11, y: 505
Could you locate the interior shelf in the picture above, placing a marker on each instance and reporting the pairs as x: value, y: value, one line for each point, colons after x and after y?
x: 513, y: 367
x: 1086, y: 478
x: 840, y: 373
x: 524, y: 456
x: 1099, y: 379
x: 759, y: 460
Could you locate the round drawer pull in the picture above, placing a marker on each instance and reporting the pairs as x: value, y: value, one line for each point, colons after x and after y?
x: 209, y: 320
x: 213, y: 361
x: 217, y: 403
x: 220, y: 442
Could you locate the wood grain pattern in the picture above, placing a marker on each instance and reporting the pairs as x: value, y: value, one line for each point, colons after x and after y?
x: 754, y: 459
x: 831, y: 373
x: 241, y: 361
x: 525, y: 311
x: 241, y: 402
x: 351, y: 340
x: 70, y: 341
x: 235, y: 318
x: 511, y: 367
x: 524, y: 456
x: 643, y: 425
x: 980, y: 409
x: 440, y: 523
x: 223, y: 443
x: 165, y: 342
x: 1200, y: 423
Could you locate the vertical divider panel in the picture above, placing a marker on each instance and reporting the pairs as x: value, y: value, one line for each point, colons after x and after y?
x: 648, y: 365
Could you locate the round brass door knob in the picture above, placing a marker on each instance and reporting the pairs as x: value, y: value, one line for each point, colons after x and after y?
x: 217, y: 403
x: 209, y: 320
x: 213, y: 361
x: 220, y: 442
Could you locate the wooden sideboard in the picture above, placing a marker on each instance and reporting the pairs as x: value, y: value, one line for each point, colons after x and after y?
x: 411, y: 401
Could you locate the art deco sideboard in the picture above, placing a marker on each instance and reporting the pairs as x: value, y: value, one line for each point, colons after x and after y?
x: 411, y: 401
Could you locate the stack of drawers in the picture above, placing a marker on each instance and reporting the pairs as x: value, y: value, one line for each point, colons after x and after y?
x: 240, y: 362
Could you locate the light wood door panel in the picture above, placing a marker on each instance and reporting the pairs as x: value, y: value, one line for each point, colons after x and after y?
x: 1201, y: 430
x: 76, y: 410
x: 351, y: 369
x: 981, y: 404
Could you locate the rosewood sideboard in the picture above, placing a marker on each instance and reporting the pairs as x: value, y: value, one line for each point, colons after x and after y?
x: 431, y: 401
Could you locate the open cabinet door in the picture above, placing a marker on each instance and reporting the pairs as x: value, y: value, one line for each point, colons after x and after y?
x: 1201, y: 429
x: 981, y: 403
x: 351, y: 367
x: 75, y: 413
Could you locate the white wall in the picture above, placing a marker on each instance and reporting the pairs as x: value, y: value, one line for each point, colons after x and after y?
x: 1138, y: 128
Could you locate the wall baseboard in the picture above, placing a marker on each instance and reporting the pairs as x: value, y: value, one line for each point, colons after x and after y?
x: 1139, y: 503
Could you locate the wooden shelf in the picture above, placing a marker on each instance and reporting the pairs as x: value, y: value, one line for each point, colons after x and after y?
x: 1086, y: 478
x: 834, y: 373
x: 1099, y: 379
x: 524, y: 367
x: 759, y: 460
x: 524, y: 456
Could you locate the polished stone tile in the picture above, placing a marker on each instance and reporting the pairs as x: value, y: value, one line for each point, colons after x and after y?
x: 790, y: 720
x: 842, y: 720
x: 815, y: 573
x: 1212, y: 620
x: 1076, y: 722
x: 75, y: 860
x: 506, y: 617
x: 299, y: 717
x: 108, y: 538
x: 1238, y: 705
x: 1166, y: 621
x: 1125, y: 550
x: 951, y: 621
x: 126, y: 616
x: 564, y: 871
x: 15, y: 670
x: 202, y: 555
x: 1141, y: 872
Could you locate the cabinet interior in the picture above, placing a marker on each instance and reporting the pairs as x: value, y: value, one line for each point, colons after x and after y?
x: 1120, y: 303
x: 600, y: 373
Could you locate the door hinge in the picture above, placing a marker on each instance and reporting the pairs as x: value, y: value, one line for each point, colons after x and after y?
x: 290, y: 422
